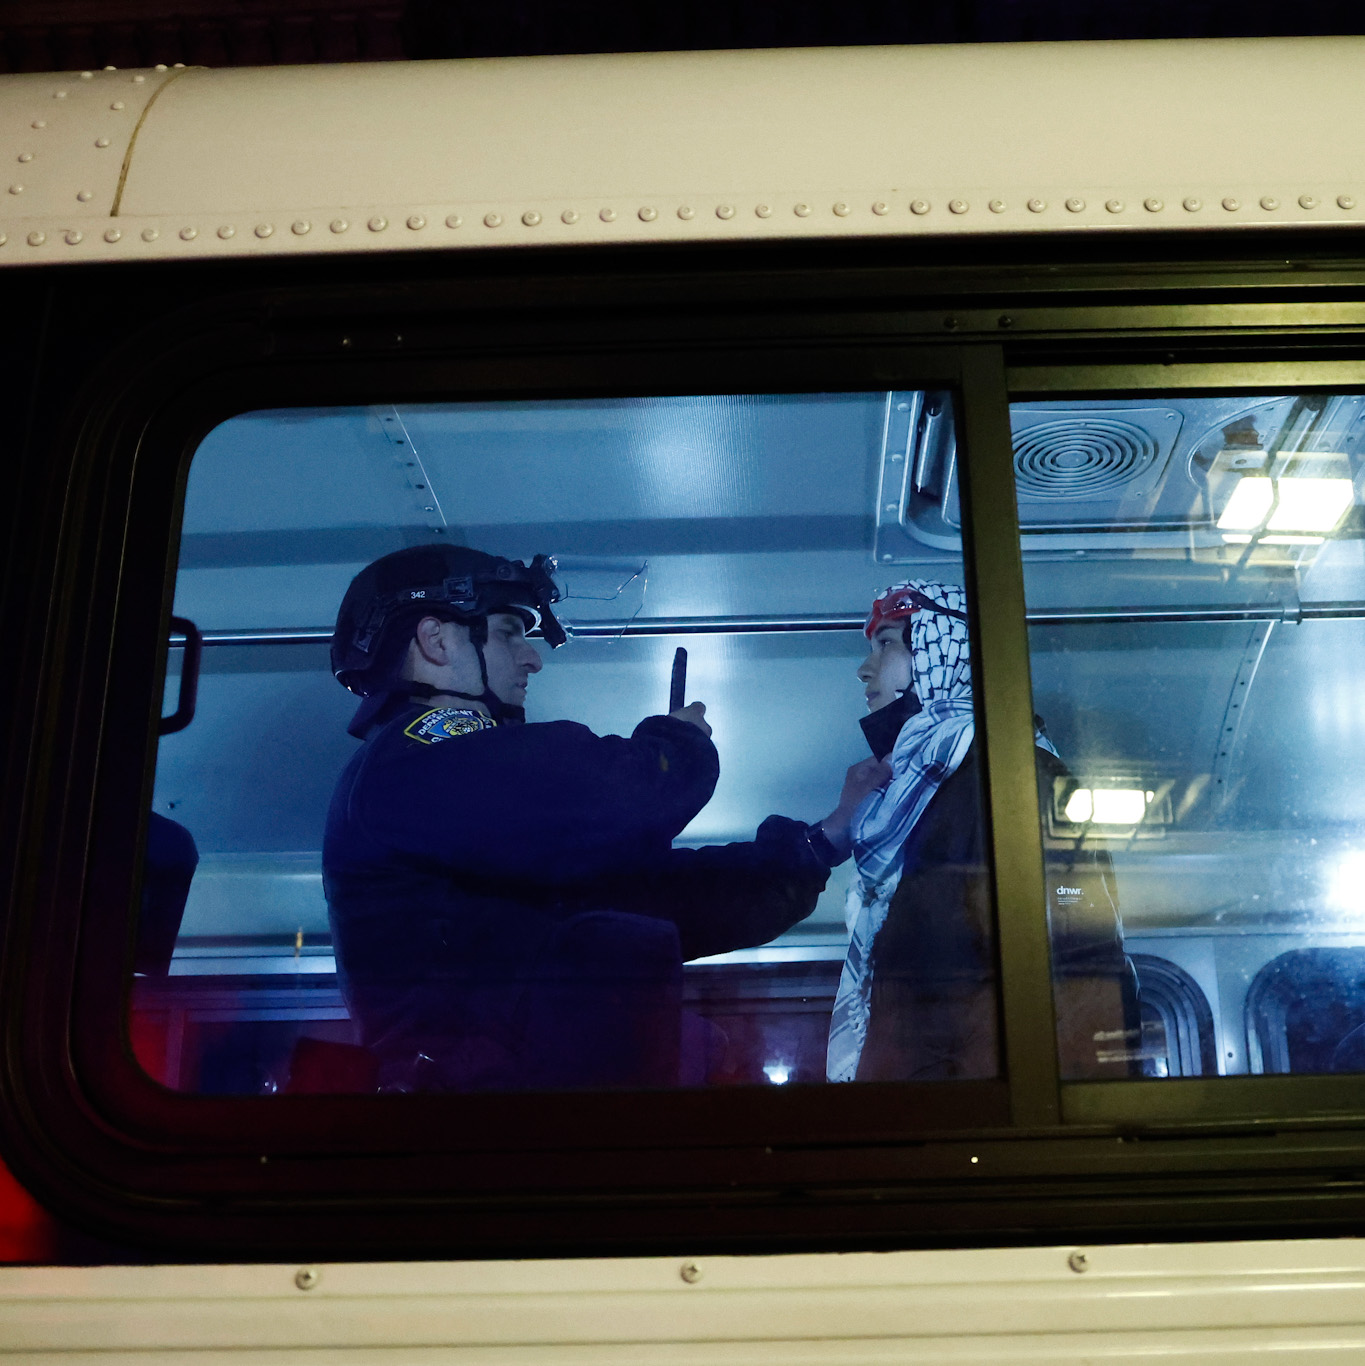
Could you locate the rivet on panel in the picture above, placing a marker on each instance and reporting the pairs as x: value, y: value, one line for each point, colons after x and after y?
x: 1153, y: 205
x: 16, y: 188
x: 25, y: 157
x: 958, y: 206
x: 1037, y: 205
x: 1114, y: 205
x: 73, y: 237
x: 802, y: 211
x: 38, y: 123
x: 150, y: 234
x: 1232, y: 204
x: 111, y: 68
x: 1074, y: 205
x: 492, y: 220
x: 339, y: 225
x: 920, y: 206
x: 1078, y: 1262
x: 300, y: 226
x: 227, y: 231
x: 1192, y: 205
x: 36, y: 239
x: 59, y: 94
x: 179, y: 66
x: 725, y: 210
x: 531, y: 218
x: 416, y: 222
x: 842, y: 209
x: 85, y: 196
x: 1308, y: 201
x: 881, y: 207
x: 113, y: 234
x: 607, y: 215
x: 118, y: 104
x: 188, y: 234
x: 378, y: 223
x: 4, y: 237
x: 648, y: 215
x: 87, y: 75
x: 997, y: 206
x: 1269, y: 203
x: 687, y: 213
x: 1346, y: 201
x: 264, y: 229
x: 763, y: 210
x: 160, y: 66
x: 101, y: 142
x: 453, y: 220
x: 139, y: 79
x: 690, y: 1272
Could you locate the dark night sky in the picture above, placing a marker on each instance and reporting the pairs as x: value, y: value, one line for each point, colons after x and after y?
x: 38, y: 35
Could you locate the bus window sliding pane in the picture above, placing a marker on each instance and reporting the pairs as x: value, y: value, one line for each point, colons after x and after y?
x: 1195, y: 586
x: 451, y: 899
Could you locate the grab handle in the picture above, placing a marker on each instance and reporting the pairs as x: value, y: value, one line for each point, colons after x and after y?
x: 189, y: 677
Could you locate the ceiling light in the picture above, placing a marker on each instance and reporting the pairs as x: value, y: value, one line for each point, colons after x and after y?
x: 1346, y: 891
x: 1237, y: 538
x: 1250, y: 502
x: 1107, y: 806
x: 1307, y: 504
x: 1286, y: 540
x: 1119, y: 805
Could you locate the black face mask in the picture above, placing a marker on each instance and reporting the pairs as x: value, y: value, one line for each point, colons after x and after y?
x: 883, y: 726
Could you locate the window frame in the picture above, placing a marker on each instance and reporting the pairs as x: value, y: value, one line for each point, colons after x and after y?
x: 150, y: 436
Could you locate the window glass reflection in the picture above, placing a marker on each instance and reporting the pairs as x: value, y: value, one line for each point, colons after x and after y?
x: 1195, y: 585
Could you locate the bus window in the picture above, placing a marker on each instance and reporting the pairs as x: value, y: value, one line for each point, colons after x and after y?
x: 624, y: 890
x: 1195, y: 583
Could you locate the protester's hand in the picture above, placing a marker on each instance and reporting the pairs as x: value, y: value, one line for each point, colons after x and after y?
x: 860, y: 781
x: 694, y: 713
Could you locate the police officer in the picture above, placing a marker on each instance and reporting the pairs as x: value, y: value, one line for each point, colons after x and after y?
x: 507, y: 910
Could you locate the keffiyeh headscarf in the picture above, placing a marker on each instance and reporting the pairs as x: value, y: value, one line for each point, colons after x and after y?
x: 929, y: 749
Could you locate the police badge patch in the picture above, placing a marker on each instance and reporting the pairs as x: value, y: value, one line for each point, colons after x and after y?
x: 446, y: 723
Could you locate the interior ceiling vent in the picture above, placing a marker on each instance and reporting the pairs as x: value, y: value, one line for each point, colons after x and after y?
x: 1081, y: 457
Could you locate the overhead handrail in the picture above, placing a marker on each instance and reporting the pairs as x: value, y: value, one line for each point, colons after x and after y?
x: 762, y: 625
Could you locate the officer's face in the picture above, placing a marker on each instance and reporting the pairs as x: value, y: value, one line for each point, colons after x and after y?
x: 887, y: 671
x: 510, y: 657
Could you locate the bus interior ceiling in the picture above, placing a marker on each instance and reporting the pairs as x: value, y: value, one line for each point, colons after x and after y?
x: 1170, y: 658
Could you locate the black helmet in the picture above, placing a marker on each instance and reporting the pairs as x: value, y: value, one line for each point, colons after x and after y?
x: 394, y: 593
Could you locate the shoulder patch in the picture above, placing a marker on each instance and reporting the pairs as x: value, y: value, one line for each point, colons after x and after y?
x: 446, y: 723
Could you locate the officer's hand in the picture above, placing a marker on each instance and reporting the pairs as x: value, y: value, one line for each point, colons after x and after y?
x: 695, y: 714
x: 860, y: 782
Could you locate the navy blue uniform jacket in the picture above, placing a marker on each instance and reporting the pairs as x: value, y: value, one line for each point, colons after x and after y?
x: 507, y: 910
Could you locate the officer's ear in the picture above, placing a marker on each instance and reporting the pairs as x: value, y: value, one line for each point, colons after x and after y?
x: 436, y: 641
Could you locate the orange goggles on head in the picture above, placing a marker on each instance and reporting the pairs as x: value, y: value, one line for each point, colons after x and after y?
x: 902, y: 601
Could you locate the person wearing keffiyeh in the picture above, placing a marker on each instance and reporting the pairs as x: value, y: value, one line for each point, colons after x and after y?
x: 917, y: 997
x: 931, y: 945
